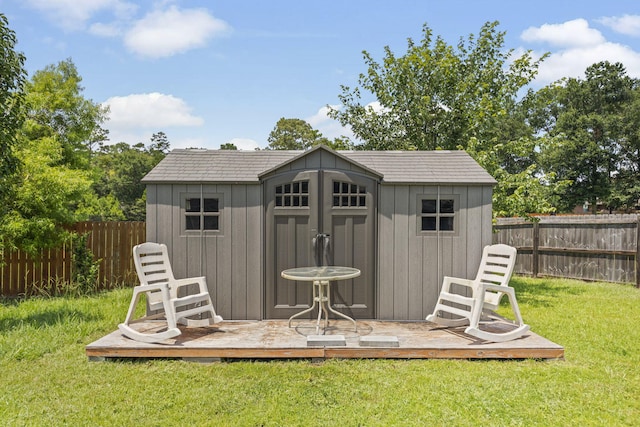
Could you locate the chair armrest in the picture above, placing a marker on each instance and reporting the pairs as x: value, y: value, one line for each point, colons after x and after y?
x: 447, y: 281
x: 497, y: 288
x: 150, y: 288
x: 200, y: 281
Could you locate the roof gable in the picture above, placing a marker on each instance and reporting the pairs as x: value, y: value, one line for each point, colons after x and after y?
x: 318, y: 156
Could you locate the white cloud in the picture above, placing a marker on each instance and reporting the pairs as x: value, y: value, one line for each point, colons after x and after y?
x: 576, y: 33
x: 574, y: 62
x: 329, y: 127
x: 137, y: 114
x: 627, y: 24
x: 73, y: 14
x: 578, y: 47
x: 163, y: 33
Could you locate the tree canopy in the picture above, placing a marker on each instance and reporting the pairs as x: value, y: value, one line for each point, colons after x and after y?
x: 56, y: 107
x: 436, y: 96
x: 297, y: 134
x: 12, y: 79
x: 590, y: 137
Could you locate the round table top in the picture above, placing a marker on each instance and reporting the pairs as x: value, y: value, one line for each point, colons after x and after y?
x: 329, y: 272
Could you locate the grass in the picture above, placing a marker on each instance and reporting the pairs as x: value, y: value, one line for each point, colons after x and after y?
x: 46, y: 378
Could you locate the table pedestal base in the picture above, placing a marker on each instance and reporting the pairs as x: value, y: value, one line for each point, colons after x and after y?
x: 322, y: 297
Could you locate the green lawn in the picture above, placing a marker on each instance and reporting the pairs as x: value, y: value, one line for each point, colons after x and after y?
x: 46, y: 379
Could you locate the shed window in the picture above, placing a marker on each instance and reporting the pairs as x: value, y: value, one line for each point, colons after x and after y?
x: 349, y: 195
x: 202, y: 214
x: 294, y: 194
x: 437, y: 214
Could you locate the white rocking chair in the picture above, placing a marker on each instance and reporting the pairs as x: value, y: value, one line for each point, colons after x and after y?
x: 490, y: 284
x: 162, y: 290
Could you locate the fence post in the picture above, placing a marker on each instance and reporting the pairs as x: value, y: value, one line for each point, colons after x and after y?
x: 535, y: 268
x: 638, y: 252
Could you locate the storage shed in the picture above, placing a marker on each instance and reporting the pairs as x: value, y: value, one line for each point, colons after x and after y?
x: 405, y: 219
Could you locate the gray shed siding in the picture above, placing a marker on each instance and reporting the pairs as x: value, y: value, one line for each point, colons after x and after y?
x: 411, y: 266
x: 232, y: 260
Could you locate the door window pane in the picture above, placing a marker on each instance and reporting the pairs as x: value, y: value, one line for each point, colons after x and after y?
x: 349, y: 195
x: 293, y: 194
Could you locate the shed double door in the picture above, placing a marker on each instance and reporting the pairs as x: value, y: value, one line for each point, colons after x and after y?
x: 320, y: 217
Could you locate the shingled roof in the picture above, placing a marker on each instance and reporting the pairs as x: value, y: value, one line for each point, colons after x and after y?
x: 233, y: 166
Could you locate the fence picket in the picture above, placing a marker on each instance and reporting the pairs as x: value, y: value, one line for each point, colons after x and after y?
x: 110, y: 242
x: 586, y: 247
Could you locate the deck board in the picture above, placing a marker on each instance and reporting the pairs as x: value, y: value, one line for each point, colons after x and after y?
x: 273, y: 339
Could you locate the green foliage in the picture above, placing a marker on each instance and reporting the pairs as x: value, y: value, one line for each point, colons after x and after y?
x: 47, y: 379
x: 296, y: 134
x: 120, y: 169
x: 53, y: 187
x: 57, y: 109
x: 293, y: 134
x: 436, y: 96
x: 589, y: 136
x: 12, y: 79
x: 85, y: 266
x: 46, y: 199
x: 228, y: 146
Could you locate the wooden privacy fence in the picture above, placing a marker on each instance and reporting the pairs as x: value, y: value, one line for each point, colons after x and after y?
x: 110, y: 242
x: 586, y: 247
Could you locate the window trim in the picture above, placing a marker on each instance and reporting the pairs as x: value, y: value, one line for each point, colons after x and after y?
x: 183, y: 213
x: 348, y: 198
x: 438, y: 215
x: 304, y: 198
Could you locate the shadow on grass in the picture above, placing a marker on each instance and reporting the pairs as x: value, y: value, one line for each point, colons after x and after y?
x: 46, y: 317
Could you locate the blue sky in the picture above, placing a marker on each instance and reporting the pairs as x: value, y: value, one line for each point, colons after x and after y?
x: 211, y: 72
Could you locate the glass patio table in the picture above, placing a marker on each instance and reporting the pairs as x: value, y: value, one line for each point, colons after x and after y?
x: 321, y: 276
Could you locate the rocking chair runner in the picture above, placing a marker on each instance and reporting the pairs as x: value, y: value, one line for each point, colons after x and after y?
x: 162, y: 291
x: 490, y: 284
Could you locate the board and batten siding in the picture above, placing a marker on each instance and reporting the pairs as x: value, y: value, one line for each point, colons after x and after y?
x: 411, y: 264
x: 231, y: 260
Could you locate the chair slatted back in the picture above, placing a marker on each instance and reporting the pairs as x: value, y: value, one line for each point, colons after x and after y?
x: 496, y: 268
x: 152, y: 265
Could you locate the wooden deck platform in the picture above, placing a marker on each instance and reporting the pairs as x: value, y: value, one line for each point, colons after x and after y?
x: 273, y: 339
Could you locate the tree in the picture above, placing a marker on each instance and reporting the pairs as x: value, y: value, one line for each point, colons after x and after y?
x: 297, y: 134
x: 122, y: 168
x: 53, y: 187
x: 228, y: 146
x: 57, y: 108
x: 590, y: 135
x: 12, y: 79
x: 47, y: 197
x: 436, y: 96
x: 294, y: 134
